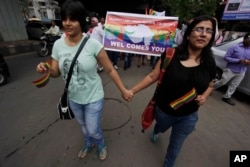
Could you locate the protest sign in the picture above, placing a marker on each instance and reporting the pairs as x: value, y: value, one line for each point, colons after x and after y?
x: 139, y: 33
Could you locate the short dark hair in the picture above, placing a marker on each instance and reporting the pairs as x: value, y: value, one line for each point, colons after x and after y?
x: 75, y: 10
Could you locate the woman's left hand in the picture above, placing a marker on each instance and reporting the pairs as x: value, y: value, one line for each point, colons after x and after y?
x: 200, y: 99
x: 127, y: 95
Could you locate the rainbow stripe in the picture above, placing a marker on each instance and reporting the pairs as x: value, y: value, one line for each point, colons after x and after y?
x: 41, y: 82
x: 184, y: 99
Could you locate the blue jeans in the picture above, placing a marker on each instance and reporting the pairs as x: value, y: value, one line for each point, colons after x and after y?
x: 153, y: 61
x: 127, y: 60
x: 114, y: 56
x: 182, y: 126
x: 89, y: 118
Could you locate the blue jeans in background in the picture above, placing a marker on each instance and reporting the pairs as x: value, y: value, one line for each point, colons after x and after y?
x: 153, y: 61
x: 114, y: 57
x: 127, y: 61
x: 182, y: 126
x: 89, y: 118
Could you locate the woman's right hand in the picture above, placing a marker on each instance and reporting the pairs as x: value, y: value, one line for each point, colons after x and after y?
x: 41, y: 68
x: 127, y: 95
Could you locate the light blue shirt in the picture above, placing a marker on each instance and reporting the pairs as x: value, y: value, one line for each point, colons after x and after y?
x: 85, y: 84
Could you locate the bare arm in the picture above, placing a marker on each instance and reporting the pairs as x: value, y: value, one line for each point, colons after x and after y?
x: 57, y: 31
x: 104, y: 60
x: 48, y: 31
x: 149, y: 79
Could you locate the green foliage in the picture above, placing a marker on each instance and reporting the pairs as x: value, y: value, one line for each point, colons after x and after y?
x: 241, y: 27
x: 188, y: 9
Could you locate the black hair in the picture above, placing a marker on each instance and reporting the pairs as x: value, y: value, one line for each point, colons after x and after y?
x: 247, y: 35
x: 76, y: 11
x: 206, y: 54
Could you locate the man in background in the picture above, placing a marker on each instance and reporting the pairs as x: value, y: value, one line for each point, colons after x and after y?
x: 238, y: 59
x: 97, y: 31
x: 180, y: 33
x: 54, y: 31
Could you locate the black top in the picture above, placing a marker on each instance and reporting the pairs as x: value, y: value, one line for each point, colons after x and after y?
x: 180, y: 86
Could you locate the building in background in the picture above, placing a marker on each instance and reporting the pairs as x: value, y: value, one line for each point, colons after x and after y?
x: 237, y: 10
x: 12, y: 24
x: 44, y: 9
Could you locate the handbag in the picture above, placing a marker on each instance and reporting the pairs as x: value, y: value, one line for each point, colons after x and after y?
x: 148, y: 114
x: 63, y: 108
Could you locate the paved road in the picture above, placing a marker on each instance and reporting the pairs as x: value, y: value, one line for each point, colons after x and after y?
x: 32, y: 135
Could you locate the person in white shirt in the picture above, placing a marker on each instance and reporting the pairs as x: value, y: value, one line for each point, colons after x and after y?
x: 93, y: 23
x: 179, y: 34
x: 102, y: 22
x: 97, y: 32
x: 54, y: 31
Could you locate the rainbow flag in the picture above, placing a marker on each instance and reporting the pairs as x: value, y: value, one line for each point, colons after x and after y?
x: 41, y: 82
x: 139, y: 33
x: 189, y: 96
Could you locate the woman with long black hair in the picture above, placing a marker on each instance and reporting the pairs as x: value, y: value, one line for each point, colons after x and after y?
x: 185, y: 86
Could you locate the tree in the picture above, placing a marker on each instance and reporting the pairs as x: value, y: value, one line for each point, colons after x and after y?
x: 187, y: 9
x: 24, y: 5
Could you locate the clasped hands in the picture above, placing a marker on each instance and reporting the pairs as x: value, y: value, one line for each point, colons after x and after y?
x: 127, y: 95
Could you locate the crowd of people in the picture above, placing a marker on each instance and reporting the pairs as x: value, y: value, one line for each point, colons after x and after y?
x: 95, y: 29
x: 188, y: 81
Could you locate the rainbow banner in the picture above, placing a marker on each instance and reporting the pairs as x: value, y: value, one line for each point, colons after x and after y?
x: 39, y: 83
x: 139, y: 33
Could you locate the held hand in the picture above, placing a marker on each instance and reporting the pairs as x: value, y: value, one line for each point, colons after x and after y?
x: 41, y: 68
x: 127, y: 95
x: 200, y: 99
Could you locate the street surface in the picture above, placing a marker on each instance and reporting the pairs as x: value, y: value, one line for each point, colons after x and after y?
x: 31, y: 135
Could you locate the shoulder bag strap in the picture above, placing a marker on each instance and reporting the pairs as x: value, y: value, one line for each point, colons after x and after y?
x: 73, y: 61
x: 167, y: 60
